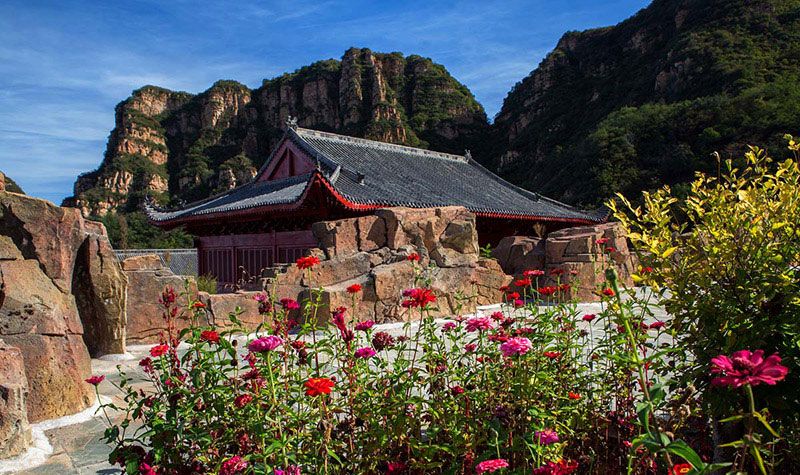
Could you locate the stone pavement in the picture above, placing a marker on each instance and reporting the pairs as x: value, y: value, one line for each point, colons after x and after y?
x: 77, y: 448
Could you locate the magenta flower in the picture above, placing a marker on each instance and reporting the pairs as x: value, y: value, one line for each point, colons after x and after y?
x: 95, y: 380
x: 546, y: 437
x: 289, y: 304
x: 290, y: 470
x: 588, y: 317
x: 233, y: 466
x: 746, y: 367
x: 490, y: 466
x: 516, y: 346
x: 365, y: 352
x: 265, y: 343
x: 479, y: 324
x: 449, y: 326
x: 364, y: 326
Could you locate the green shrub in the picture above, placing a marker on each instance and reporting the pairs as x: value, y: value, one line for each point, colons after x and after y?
x: 726, y: 258
x: 207, y: 283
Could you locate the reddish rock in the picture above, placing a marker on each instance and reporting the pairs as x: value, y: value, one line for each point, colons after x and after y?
x: 337, y: 269
x: 517, y: 254
x: 15, y: 432
x: 220, y: 306
x: 9, y: 250
x: 32, y: 304
x: 337, y: 237
x: 56, y: 367
x: 100, y: 286
x: 145, y: 321
x: 575, y: 250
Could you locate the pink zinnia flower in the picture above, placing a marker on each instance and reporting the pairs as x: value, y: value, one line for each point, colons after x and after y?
x: 657, y: 325
x: 533, y: 273
x: 546, y: 437
x: 365, y: 352
x: 364, y: 326
x: 449, y: 326
x: 470, y: 347
x: 490, y: 466
x: 746, y: 367
x: 516, y: 346
x: 589, y: 317
x: 479, y: 324
x: 233, y: 466
x: 95, y: 380
x: 290, y: 470
x: 265, y: 343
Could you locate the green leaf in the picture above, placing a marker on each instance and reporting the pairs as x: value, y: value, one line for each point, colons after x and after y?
x: 682, y: 449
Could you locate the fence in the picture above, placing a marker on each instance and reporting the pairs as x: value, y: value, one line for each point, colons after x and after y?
x: 180, y: 261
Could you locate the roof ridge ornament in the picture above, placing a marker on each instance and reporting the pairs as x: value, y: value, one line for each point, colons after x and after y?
x: 291, y: 123
x: 467, y: 154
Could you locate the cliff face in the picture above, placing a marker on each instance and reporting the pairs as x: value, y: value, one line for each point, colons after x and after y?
x: 643, y: 103
x: 177, y: 146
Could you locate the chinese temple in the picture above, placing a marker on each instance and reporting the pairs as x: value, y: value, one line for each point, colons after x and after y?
x: 316, y: 176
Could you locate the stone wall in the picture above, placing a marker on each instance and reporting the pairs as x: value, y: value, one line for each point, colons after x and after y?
x: 372, y: 251
x: 148, y: 277
x: 51, y: 258
x: 577, y: 252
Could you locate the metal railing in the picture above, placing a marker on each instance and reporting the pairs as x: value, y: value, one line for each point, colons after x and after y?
x: 180, y: 261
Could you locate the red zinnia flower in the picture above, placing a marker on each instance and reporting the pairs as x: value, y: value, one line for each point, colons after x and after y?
x: 608, y: 292
x: 158, y: 350
x: 522, y: 282
x: 647, y: 270
x: 574, y: 396
x: 680, y: 469
x: 242, y: 400
x: 746, y: 367
x: 546, y: 291
x: 561, y: 467
x: 198, y: 305
x: 611, y: 249
x: 533, y: 273
x: 418, y: 297
x: 602, y: 241
x: 209, y: 336
x: 414, y: 257
x: 95, y: 380
x: 290, y: 304
x: 307, y: 262
x: 456, y: 390
x: 552, y: 354
x: 354, y: 289
x: 318, y: 386
x: 503, y: 288
x: 657, y: 325
x: 513, y: 295
x: 556, y: 271
x: 589, y: 317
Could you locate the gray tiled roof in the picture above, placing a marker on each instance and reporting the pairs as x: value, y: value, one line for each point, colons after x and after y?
x: 375, y: 173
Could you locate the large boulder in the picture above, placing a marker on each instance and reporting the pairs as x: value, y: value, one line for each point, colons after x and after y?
x: 147, y: 279
x: 220, y: 306
x: 100, y: 290
x: 15, y: 432
x: 77, y: 258
x: 517, y: 254
x: 43, y: 322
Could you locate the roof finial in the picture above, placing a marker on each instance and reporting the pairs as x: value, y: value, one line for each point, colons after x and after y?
x: 467, y: 154
x: 291, y: 123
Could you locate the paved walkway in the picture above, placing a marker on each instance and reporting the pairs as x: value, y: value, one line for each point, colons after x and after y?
x: 77, y: 449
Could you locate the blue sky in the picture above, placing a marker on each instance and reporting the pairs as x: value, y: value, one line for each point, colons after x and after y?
x: 65, y: 64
